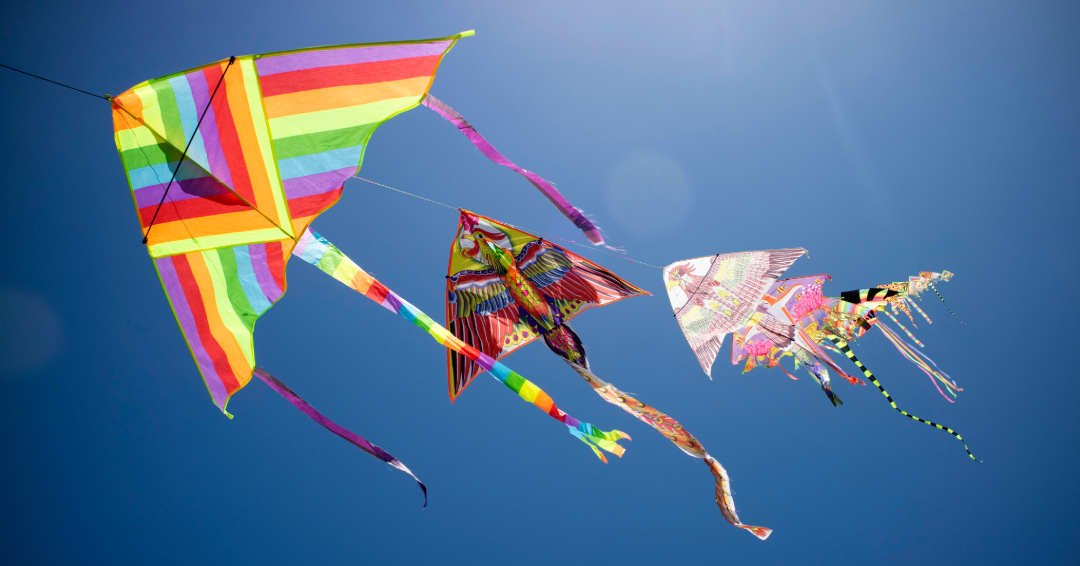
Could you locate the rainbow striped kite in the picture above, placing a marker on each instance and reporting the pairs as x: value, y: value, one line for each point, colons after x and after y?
x: 228, y: 164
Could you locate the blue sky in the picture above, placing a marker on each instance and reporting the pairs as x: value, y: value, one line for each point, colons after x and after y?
x: 885, y: 138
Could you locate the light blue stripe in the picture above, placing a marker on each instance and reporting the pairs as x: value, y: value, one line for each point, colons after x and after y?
x: 320, y: 162
x: 314, y: 252
x: 161, y: 173
x: 500, y: 371
x: 189, y: 118
x: 249, y: 281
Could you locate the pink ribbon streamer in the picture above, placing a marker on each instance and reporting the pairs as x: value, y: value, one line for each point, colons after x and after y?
x: 353, y: 438
x: 592, y: 232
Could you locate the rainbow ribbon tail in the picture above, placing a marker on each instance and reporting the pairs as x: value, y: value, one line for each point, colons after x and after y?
x: 351, y: 437
x: 725, y: 501
x: 598, y: 439
x: 571, y: 212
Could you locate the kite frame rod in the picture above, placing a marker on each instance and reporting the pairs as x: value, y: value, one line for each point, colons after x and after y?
x: 146, y: 237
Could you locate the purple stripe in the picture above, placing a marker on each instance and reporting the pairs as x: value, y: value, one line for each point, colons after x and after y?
x: 347, y: 56
x: 262, y: 272
x: 200, y: 187
x: 553, y: 195
x: 200, y: 92
x: 317, y: 184
x: 353, y: 438
x: 392, y: 302
x: 191, y: 332
x: 571, y: 421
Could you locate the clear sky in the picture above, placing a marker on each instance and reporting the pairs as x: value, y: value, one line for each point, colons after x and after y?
x: 886, y: 138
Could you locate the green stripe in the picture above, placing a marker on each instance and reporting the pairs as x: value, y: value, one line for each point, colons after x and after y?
x: 330, y: 261
x: 149, y: 155
x: 307, y: 144
x: 237, y: 297
x: 170, y: 113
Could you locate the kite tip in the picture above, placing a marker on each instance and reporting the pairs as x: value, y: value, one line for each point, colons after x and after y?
x: 467, y: 33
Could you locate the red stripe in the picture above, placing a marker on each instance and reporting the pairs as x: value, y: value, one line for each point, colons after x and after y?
x: 198, y: 312
x: 343, y: 75
x: 194, y: 208
x: 377, y: 292
x: 302, y: 207
x: 275, y: 262
x: 230, y: 140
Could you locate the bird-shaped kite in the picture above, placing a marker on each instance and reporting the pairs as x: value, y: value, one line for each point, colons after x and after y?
x: 506, y: 288
x: 741, y: 294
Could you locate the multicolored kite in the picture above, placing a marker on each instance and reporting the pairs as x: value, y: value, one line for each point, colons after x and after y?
x: 769, y: 319
x: 229, y: 163
x: 506, y: 287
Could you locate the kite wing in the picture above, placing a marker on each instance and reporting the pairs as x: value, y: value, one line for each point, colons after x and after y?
x: 482, y: 313
x: 713, y: 296
x: 228, y: 164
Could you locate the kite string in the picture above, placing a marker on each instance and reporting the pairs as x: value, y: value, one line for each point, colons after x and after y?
x: 105, y: 96
x: 146, y: 237
x: 630, y: 259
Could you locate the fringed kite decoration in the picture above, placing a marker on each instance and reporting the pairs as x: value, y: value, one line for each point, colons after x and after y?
x: 506, y: 288
x: 229, y: 163
x: 769, y: 319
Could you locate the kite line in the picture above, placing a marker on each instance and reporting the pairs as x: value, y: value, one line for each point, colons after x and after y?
x: 146, y: 237
x: 103, y: 96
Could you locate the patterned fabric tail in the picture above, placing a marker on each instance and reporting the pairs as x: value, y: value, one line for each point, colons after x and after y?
x: 847, y: 351
x: 592, y: 232
x: 319, y: 252
x: 664, y: 424
x: 333, y: 427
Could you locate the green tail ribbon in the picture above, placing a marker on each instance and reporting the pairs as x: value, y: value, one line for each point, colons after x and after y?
x: 851, y: 355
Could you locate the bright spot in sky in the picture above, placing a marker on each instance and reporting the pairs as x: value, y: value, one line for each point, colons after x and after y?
x: 647, y: 193
x: 31, y: 334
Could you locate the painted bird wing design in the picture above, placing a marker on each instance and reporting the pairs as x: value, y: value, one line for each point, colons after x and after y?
x: 724, y: 297
x: 570, y: 282
x: 481, y: 312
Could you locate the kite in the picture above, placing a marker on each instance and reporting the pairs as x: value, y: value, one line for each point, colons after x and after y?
x: 506, y: 288
x: 229, y: 163
x: 769, y: 318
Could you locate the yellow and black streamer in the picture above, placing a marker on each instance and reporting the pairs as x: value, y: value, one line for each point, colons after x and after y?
x: 851, y: 355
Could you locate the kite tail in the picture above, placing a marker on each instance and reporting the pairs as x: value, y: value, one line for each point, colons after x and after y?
x: 847, y: 351
x: 906, y: 331
x: 574, y: 214
x: 319, y: 252
x: 913, y: 356
x: 914, y: 304
x: 333, y: 427
x: 564, y: 336
x: 943, y: 302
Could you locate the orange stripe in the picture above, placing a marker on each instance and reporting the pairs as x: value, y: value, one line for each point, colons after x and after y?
x: 217, y: 225
x: 224, y: 338
x: 249, y: 144
x: 133, y: 104
x: 342, y: 96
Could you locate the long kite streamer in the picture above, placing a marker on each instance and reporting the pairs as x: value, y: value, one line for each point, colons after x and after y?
x: 319, y: 252
x: 574, y: 214
x: 840, y: 343
x: 506, y: 288
x: 354, y: 439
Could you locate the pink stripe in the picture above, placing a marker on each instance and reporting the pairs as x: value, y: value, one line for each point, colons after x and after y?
x: 553, y: 195
x: 262, y: 272
x: 317, y: 184
x: 187, y: 325
x: 347, y: 56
